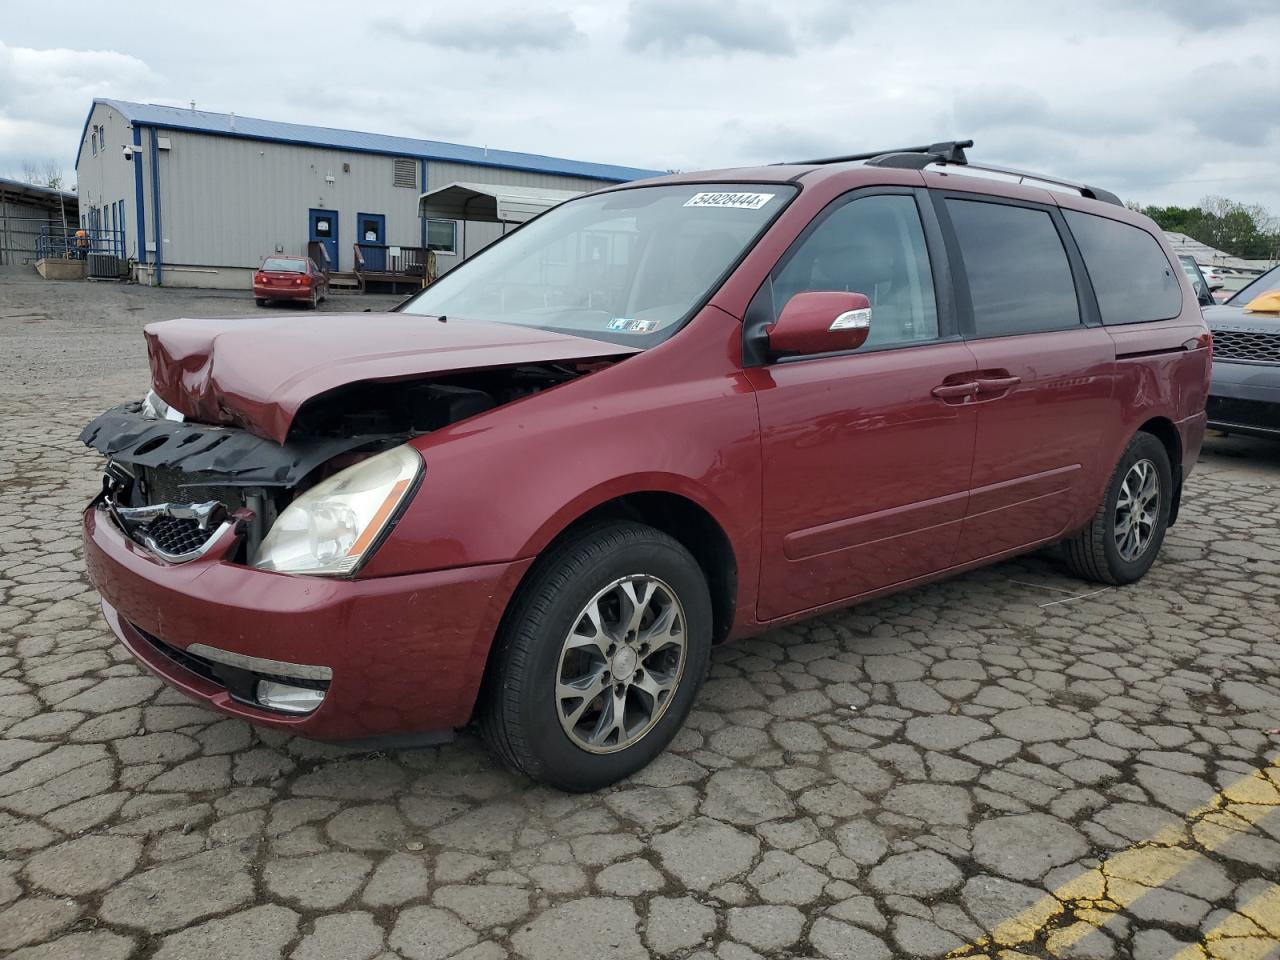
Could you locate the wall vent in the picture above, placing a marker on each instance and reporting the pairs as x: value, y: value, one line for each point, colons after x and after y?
x: 406, y: 174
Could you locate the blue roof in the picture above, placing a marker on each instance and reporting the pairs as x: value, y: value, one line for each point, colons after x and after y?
x: 251, y: 128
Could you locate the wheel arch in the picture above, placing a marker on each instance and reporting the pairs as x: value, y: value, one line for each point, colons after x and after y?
x: 681, y: 515
x: 1164, y: 430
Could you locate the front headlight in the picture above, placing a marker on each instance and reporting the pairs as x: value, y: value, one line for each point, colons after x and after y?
x: 330, y: 528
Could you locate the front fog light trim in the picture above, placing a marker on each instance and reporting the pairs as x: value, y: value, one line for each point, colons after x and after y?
x: 287, y: 698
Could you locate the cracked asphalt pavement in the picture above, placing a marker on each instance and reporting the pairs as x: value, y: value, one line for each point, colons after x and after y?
x: 996, y: 765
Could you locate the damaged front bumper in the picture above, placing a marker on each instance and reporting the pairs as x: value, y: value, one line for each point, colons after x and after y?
x: 389, y: 656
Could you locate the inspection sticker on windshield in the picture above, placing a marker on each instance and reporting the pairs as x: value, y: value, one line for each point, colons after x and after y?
x: 740, y: 201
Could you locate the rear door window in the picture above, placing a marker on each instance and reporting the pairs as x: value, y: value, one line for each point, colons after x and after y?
x: 1132, y: 278
x: 1019, y: 276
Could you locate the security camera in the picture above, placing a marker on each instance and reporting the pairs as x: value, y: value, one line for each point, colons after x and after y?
x: 127, y: 151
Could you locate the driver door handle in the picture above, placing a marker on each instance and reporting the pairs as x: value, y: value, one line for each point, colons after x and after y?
x: 956, y: 391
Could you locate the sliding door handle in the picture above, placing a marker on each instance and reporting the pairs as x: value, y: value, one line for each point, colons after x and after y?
x: 997, y: 384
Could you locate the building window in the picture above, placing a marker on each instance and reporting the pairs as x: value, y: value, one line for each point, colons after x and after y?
x: 406, y: 174
x: 442, y: 236
x: 94, y: 140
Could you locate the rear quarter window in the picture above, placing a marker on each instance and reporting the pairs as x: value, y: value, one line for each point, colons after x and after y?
x: 1132, y: 278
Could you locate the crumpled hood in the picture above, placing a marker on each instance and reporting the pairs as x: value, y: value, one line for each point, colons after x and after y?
x: 256, y: 374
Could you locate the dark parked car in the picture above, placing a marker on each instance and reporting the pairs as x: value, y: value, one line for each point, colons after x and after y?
x: 1203, y: 289
x: 290, y: 278
x: 653, y: 419
x: 1245, y: 394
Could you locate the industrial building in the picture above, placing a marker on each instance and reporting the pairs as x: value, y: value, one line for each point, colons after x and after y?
x: 194, y: 198
x: 30, y: 216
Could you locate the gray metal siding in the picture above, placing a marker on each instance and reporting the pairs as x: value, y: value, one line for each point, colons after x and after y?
x: 107, y: 178
x: 230, y: 202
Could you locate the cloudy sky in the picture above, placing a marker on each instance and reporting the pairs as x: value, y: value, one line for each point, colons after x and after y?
x: 1162, y: 101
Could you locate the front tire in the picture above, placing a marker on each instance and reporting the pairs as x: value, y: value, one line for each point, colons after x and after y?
x: 1121, y: 541
x: 599, y: 658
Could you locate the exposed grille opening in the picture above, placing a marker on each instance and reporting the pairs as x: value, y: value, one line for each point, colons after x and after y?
x: 1242, y: 345
x: 406, y: 174
x: 176, y: 486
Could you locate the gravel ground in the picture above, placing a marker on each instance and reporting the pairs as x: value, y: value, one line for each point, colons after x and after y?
x: 990, y: 763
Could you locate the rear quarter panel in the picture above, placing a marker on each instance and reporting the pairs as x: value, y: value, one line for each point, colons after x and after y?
x: 1156, y: 375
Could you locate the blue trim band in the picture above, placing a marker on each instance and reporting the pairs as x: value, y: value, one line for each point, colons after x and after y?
x: 422, y: 221
x: 137, y: 194
x: 155, y: 205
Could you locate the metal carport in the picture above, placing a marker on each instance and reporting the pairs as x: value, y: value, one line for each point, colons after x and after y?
x: 489, y: 203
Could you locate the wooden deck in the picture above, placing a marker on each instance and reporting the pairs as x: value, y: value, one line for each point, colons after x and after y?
x: 378, y: 264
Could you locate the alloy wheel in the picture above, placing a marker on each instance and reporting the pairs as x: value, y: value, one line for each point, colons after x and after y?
x: 1137, y: 509
x: 621, y: 663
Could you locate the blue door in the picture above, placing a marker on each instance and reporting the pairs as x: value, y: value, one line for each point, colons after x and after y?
x: 372, y: 228
x: 324, y: 228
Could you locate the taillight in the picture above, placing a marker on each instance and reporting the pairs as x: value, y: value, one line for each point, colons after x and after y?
x: 259, y: 278
x: 303, y: 281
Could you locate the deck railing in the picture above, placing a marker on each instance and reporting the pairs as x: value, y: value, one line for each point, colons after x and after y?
x: 386, y: 263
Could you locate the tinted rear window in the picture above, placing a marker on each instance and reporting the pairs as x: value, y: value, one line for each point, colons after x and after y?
x: 284, y: 265
x: 1019, y: 277
x: 1132, y: 278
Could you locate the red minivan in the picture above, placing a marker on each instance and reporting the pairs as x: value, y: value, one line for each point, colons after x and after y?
x: 653, y: 419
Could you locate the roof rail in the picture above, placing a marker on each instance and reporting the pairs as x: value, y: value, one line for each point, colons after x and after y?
x: 948, y: 151
x: 1086, y: 191
x: 953, y: 152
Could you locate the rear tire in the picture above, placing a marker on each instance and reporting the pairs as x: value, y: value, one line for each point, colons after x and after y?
x: 573, y: 626
x: 261, y: 301
x: 1121, y: 541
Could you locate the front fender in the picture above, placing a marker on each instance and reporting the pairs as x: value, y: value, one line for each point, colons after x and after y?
x: 679, y: 419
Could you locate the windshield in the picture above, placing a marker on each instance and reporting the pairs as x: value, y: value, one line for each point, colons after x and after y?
x: 284, y: 265
x: 627, y: 266
x: 1268, y: 281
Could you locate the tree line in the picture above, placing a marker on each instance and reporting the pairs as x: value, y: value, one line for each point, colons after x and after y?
x: 1240, y: 229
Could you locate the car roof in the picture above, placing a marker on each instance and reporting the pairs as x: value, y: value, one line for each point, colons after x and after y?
x: 854, y: 174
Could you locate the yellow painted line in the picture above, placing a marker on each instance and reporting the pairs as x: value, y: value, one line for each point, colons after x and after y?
x: 1251, y: 933
x: 1097, y: 894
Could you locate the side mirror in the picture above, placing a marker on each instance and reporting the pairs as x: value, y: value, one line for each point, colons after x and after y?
x: 1205, y: 296
x: 820, y: 321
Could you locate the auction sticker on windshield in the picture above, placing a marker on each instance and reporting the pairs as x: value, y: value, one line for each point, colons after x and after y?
x: 741, y: 201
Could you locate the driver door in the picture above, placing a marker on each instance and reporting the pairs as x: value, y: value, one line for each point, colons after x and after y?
x: 866, y: 462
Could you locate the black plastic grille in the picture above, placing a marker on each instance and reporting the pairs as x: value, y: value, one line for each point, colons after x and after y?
x: 173, y: 535
x: 1247, y: 346
x: 1228, y: 411
x: 197, y: 665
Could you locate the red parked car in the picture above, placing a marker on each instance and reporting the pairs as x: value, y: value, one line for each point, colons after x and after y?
x: 653, y: 419
x: 290, y: 278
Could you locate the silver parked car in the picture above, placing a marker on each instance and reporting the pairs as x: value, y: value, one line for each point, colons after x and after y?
x: 1245, y: 394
